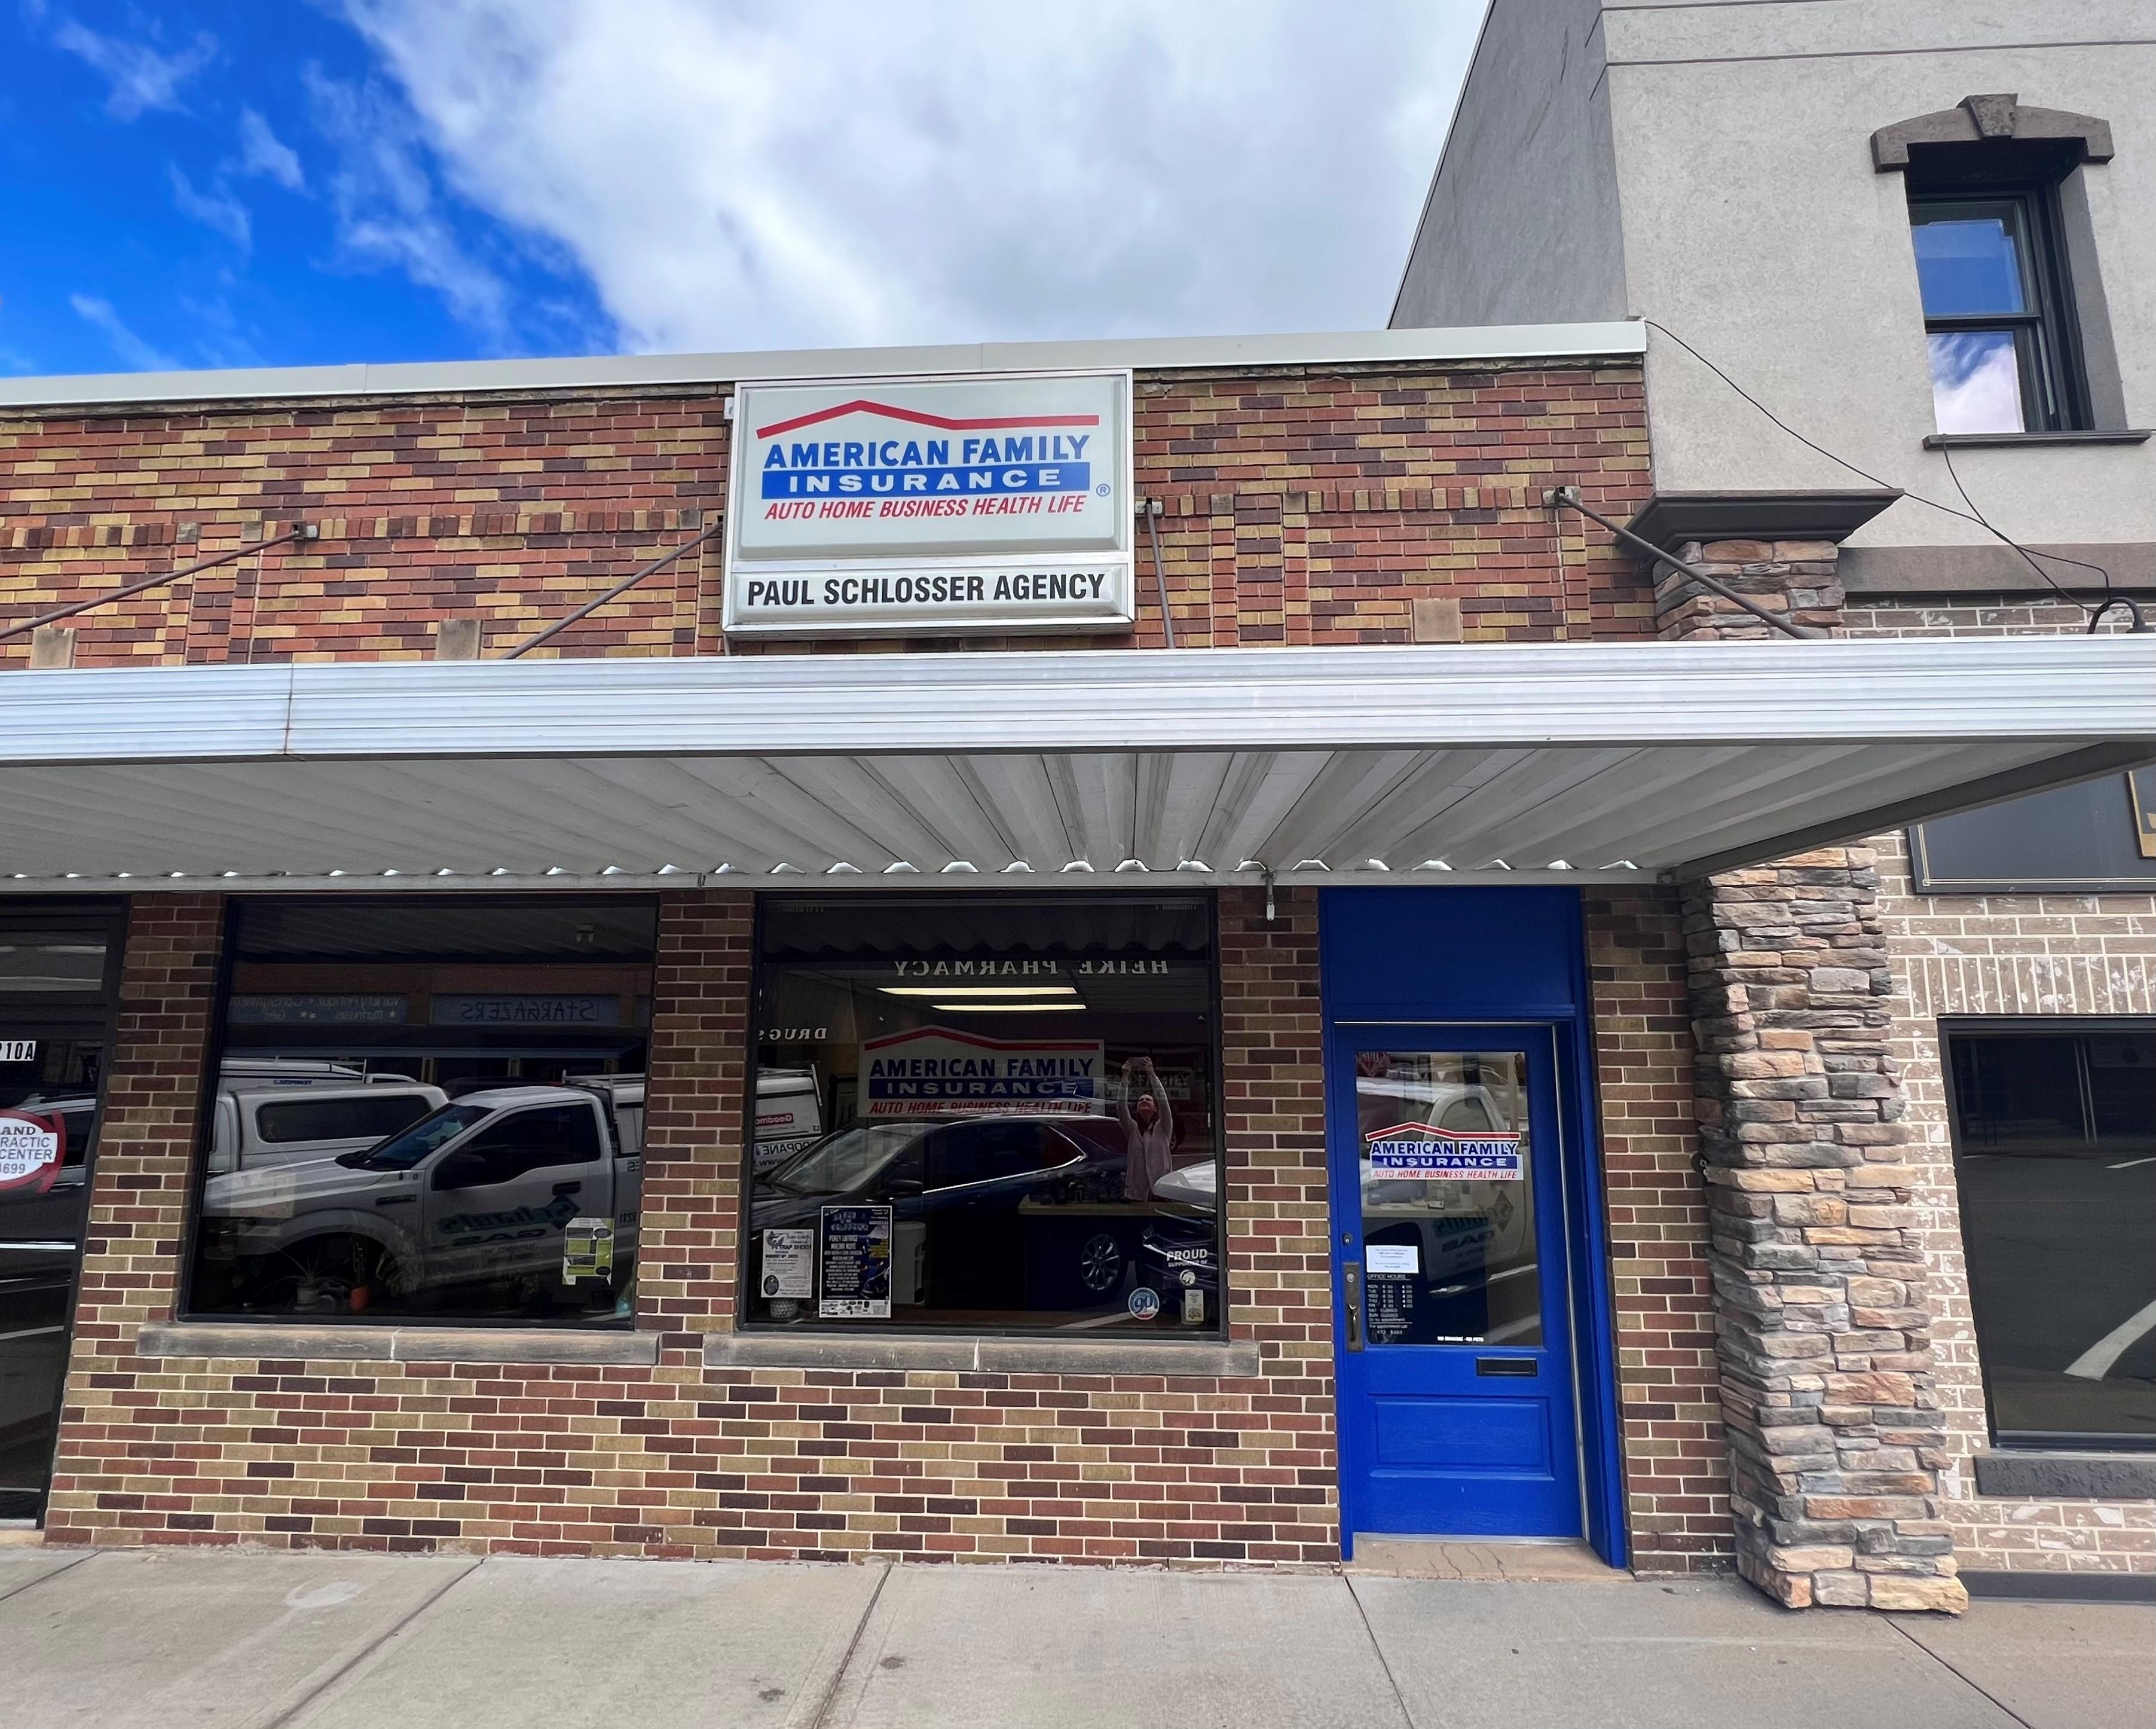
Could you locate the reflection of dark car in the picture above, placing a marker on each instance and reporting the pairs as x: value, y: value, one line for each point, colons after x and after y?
x: 986, y: 1213
x: 1179, y: 1253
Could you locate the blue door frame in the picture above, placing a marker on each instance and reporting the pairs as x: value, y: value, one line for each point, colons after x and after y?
x: 1457, y: 1415
x: 1447, y: 969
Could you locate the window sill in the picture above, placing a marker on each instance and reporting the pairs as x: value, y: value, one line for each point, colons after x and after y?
x: 2066, y: 1476
x: 1194, y: 1357
x: 393, y: 1344
x: 1956, y: 440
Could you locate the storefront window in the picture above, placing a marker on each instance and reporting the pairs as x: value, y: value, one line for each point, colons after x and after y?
x: 2054, y: 1143
x: 52, y: 962
x: 428, y: 1110
x: 986, y: 1113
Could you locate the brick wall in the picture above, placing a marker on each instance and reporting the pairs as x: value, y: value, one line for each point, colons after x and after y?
x: 1676, y: 1459
x: 1962, y: 616
x: 680, y: 1460
x: 2004, y: 955
x: 1999, y: 955
x: 1300, y: 506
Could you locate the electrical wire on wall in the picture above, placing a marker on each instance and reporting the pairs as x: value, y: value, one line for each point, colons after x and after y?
x: 1972, y: 515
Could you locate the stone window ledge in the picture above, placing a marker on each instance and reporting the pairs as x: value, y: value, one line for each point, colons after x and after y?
x: 394, y: 1345
x: 2066, y: 1476
x: 1956, y: 440
x: 790, y: 1350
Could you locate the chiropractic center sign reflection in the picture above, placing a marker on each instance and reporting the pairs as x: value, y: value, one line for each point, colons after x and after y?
x: 997, y: 503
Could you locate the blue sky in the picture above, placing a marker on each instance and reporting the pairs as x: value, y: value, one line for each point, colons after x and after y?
x: 292, y: 182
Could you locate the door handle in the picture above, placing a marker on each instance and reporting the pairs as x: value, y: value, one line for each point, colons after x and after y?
x: 1351, y: 1298
x: 394, y: 1200
x: 573, y: 1188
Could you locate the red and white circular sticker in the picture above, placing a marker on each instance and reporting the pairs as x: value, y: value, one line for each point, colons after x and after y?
x: 30, y: 1149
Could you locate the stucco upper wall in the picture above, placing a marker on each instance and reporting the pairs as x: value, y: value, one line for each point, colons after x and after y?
x: 1754, y: 225
x: 1521, y: 216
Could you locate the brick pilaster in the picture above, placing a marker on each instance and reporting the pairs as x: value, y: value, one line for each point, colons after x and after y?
x: 112, y: 1459
x: 687, y: 1238
x: 1676, y: 1477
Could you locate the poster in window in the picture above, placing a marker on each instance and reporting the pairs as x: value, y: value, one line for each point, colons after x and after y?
x: 856, y: 1264
x: 789, y: 1262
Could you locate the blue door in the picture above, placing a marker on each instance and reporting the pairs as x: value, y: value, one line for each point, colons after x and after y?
x: 1454, y: 1350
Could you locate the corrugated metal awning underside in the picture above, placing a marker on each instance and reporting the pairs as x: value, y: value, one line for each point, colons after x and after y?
x: 1607, y: 762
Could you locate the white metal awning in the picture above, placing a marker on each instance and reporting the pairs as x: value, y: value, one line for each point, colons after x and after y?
x: 1605, y: 762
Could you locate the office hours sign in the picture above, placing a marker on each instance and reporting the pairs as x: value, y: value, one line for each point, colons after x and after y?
x: 997, y: 503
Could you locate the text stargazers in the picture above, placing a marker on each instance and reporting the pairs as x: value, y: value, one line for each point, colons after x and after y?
x: 990, y: 503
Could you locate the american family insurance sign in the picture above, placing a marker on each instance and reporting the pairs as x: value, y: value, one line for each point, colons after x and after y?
x: 986, y: 503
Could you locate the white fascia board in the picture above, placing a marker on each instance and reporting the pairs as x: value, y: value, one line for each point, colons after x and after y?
x: 2053, y: 689
x: 1615, y: 339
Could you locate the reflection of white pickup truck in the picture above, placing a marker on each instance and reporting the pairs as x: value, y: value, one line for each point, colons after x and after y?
x: 789, y: 1115
x: 475, y: 1194
x: 259, y: 1122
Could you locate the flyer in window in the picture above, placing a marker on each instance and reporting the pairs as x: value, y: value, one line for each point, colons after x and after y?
x: 789, y: 1262
x: 856, y: 1264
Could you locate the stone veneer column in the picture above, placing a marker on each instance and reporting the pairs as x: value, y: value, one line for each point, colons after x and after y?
x: 1837, y: 1439
x: 1796, y: 577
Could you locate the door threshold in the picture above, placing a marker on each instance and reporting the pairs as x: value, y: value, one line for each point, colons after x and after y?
x: 1484, y: 1560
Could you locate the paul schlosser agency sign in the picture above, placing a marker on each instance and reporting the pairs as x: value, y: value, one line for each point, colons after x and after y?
x: 866, y: 507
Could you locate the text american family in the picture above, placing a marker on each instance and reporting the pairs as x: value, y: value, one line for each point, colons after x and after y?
x: 1049, y: 463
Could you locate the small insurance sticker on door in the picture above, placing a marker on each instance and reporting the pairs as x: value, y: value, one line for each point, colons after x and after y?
x: 1417, y: 1151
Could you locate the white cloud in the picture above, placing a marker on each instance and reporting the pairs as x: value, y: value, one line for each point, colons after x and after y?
x: 387, y: 211
x: 218, y: 209
x: 133, y: 351
x: 855, y: 170
x: 140, y: 77
x: 262, y: 152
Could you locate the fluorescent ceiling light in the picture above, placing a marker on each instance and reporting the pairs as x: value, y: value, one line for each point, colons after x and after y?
x: 978, y: 990
x: 1008, y: 1008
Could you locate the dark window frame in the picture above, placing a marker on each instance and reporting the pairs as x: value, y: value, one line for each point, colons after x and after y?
x: 1958, y: 1027
x: 1926, y: 877
x: 1216, y: 1330
x: 2047, y: 345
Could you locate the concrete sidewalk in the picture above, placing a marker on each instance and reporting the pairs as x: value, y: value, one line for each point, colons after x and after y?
x: 191, y: 1640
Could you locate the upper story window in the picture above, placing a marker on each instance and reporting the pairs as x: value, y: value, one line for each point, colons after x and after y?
x: 1998, y: 219
x: 1995, y: 295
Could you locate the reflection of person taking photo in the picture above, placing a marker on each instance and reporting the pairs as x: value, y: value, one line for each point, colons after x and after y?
x: 1148, y: 1128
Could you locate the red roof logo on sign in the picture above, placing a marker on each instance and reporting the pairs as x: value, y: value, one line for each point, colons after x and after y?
x: 916, y: 417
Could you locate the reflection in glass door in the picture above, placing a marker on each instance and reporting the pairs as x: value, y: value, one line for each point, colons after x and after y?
x: 56, y: 991
x: 1456, y: 1407
x: 50, y: 1081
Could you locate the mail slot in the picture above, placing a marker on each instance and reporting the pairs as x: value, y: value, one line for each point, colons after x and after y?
x: 1522, y: 1366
